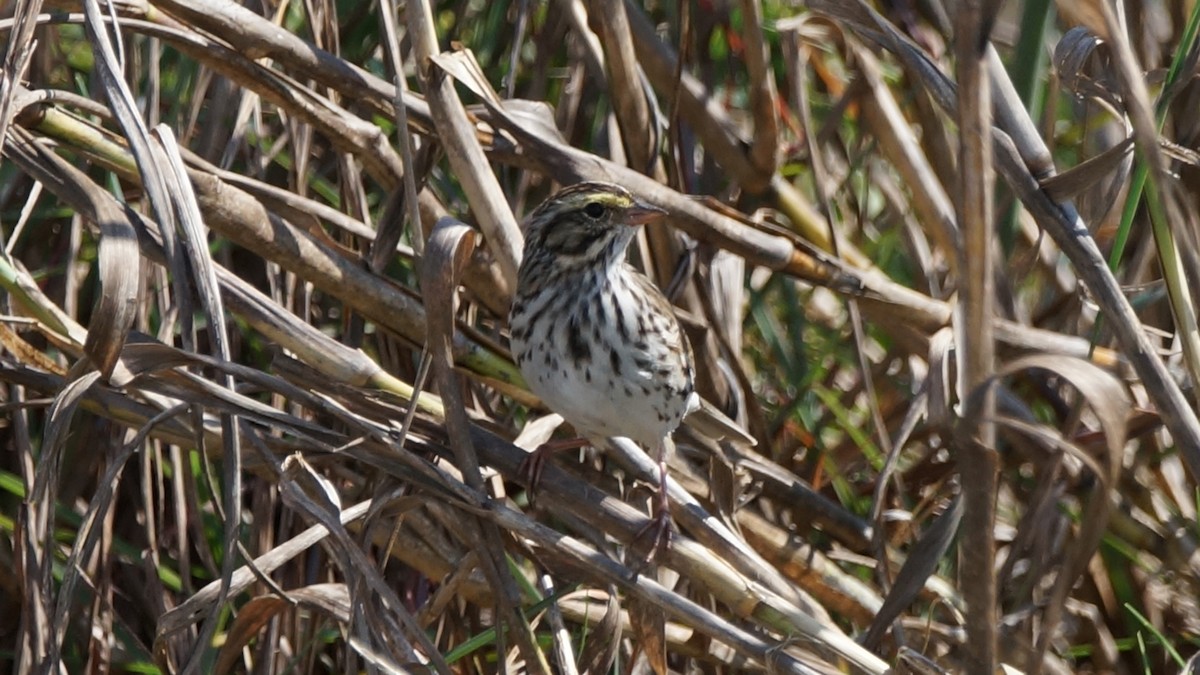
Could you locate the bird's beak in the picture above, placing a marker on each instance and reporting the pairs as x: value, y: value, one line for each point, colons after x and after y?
x: 641, y: 213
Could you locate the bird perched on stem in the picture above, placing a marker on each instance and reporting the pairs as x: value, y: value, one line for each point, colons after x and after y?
x: 594, y: 338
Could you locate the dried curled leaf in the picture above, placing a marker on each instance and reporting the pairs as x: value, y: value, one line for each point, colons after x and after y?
x: 120, y: 282
x: 1084, y: 65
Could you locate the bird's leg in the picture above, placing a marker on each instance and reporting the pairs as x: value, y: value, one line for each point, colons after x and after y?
x: 659, y: 528
x: 533, y: 464
x: 662, y: 510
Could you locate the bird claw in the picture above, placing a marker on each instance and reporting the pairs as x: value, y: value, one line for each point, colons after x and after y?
x: 532, y: 466
x: 531, y: 469
x: 652, y: 541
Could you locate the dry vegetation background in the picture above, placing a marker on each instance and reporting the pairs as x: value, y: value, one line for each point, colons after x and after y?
x: 229, y: 259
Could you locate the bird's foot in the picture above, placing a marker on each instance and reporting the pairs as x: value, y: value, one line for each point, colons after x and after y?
x: 655, y: 537
x: 652, y: 541
x: 535, y: 462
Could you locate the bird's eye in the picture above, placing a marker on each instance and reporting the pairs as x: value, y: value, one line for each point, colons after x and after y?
x: 594, y: 210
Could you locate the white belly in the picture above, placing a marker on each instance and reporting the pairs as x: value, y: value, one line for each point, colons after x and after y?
x: 641, y: 393
x: 599, y: 405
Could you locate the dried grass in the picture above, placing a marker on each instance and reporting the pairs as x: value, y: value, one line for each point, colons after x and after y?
x: 259, y: 407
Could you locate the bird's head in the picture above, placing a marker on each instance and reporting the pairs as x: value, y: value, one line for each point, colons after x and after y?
x: 587, y: 225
